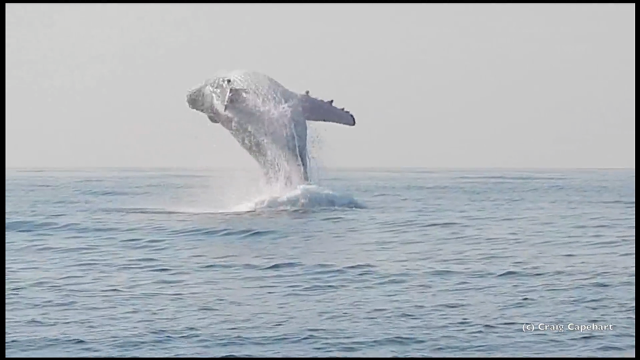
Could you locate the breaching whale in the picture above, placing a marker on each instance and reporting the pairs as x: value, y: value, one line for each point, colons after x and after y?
x: 267, y: 119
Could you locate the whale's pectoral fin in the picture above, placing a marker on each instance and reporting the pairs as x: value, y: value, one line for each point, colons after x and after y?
x: 234, y: 96
x: 318, y: 110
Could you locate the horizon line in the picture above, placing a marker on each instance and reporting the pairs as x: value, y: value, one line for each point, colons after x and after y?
x: 323, y: 167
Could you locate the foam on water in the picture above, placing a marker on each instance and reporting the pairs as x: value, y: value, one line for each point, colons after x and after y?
x: 302, y: 197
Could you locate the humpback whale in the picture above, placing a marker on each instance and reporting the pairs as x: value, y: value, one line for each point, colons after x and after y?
x: 267, y: 119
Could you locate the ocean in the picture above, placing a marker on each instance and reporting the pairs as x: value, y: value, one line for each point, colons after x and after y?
x: 369, y: 262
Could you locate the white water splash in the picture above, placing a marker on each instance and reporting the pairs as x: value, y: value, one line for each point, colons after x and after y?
x: 315, y: 133
x: 302, y: 197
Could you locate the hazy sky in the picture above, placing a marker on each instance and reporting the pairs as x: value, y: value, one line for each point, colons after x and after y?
x: 430, y: 85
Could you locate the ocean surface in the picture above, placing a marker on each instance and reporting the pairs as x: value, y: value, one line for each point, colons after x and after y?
x: 364, y: 263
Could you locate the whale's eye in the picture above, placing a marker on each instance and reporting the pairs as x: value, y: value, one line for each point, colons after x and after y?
x: 228, y: 81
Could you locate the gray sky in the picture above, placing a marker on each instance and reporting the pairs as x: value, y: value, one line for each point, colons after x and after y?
x: 430, y: 85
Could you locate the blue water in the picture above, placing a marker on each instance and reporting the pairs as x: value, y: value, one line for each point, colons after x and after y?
x: 367, y: 263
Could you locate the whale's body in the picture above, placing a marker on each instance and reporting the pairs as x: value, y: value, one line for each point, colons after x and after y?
x: 267, y: 119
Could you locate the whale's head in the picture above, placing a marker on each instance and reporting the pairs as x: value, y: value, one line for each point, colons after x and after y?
x: 211, y: 96
x: 201, y: 99
x: 212, y: 99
